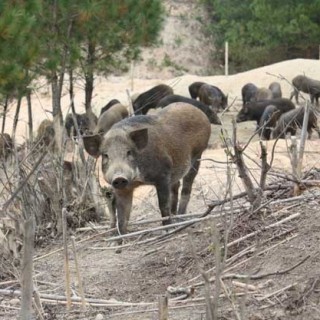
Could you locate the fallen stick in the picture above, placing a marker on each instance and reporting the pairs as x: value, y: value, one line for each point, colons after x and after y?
x: 276, y: 292
x: 60, y: 298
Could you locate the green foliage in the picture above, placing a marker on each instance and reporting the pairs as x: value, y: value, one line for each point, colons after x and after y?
x: 19, y: 48
x: 265, y: 31
x: 88, y: 36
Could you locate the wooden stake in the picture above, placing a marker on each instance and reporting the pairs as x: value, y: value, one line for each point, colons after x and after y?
x: 83, y: 300
x: 66, y: 258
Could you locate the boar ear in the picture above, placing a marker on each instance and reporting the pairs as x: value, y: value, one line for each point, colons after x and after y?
x: 140, y: 138
x: 92, y: 145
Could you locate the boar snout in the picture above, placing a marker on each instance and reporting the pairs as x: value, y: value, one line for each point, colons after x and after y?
x: 119, y: 182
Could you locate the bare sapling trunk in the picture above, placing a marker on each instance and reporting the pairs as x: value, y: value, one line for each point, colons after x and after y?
x: 297, y: 153
x: 16, y: 118
x: 253, y: 197
x: 30, y: 119
x: 89, y: 82
x: 4, y: 115
x: 71, y: 91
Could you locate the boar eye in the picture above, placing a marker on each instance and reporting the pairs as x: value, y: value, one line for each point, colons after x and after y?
x: 129, y: 153
x: 105, y: 156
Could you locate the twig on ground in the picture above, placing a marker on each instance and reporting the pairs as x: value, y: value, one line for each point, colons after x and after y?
x: 260, y: 276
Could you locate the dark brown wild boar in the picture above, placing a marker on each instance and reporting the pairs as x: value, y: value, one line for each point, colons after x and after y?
x: 268, y: 121
x: 6, y: 146
x: 306, y: 85
x: 46, y: 133
x: 154, y: 150
x: 213, y: 96
x: 194, y: 89
x: 248, y: 92
x: 108, y: 118
x: 109, y: 105
x: 290, y: 121
x: 150, y: 98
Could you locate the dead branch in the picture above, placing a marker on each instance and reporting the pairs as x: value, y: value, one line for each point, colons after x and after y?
x: 275, y: 293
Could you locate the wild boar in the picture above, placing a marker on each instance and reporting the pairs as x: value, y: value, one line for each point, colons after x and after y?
x: 290, y: 121
x: 194, y: 89
x: 149, y: 99
x: 253, y: 111
x: 46, y: 133
x: 109, y: 105
x: 6, y: 146
x: 213, y: 96
x: 263, y: 94
x: 306, y: 85
x: 83, y: 122
x: 212, y: 115
x: 268, y: 121
x: 154, y: 150
x: 248, y: 92
x: 275, y: 88
x: 108, y: 118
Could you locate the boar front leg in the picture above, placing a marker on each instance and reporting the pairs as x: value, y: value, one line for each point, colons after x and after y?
x: 174, y: 197
x: 123, y: 209
x: 164, y: 199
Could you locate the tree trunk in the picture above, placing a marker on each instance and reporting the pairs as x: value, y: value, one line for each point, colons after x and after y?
x: 30, y: 119
x: 16, y: 118
x: 89, y: 78
x: 4, y: 116
x: 56, y: 98
x: 71, y: 91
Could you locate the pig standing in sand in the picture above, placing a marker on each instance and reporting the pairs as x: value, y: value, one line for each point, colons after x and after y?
x: 108, y: 118
x: 154, y: 150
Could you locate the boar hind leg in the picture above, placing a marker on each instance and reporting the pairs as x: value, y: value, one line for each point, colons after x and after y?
x: 164, y: 199
x: 123, y: 208
x: 187, y: 186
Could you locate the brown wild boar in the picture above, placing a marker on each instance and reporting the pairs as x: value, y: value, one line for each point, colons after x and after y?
x: 6, y: 146
x: 108, y: 118
x: 45, y: 133
x: 275, y: 88
x: 109, y: 105
x: 263, y: 94
x: 154, y: 150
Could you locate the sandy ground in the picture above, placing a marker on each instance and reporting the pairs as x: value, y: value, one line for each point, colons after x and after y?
x: 141, y: 273
x: 118, y: 88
